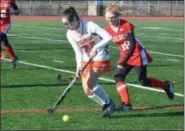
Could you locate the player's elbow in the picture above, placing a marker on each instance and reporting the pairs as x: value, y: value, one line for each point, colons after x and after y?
x: 108, y: 38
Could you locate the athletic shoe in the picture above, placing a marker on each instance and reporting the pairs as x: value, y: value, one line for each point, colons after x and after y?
x: 126, y: 107
x: 170, y: 93
x: 108, y: 109
x: 14, y: 62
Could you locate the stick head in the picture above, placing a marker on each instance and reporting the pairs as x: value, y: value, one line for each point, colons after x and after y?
x: 50, y: 111
x: 59, y: 77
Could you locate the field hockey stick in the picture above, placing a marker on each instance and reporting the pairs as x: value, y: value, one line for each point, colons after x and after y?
x: 113, y: 67
x: 61, y: 98
x: 61, y: 79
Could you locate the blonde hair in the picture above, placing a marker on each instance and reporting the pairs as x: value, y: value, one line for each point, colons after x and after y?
x: 114, y: 8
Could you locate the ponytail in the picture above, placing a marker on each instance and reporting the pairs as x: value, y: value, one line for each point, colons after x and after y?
x: 71, y: 14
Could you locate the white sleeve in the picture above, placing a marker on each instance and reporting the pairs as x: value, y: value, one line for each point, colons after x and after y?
x: 77, y: 50
x: 94, y: 28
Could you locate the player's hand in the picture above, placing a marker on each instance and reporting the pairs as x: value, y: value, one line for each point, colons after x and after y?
x: 93, y: 54
x: 123, y: 63
x: 119, y: 66
x: 17, y: 12
x: 79, y: 73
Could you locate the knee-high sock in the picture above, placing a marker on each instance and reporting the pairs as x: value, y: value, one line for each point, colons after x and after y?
x: 99, y: 95
x: 123, y: 92
x: 10, y: 52
x: 158, y: 84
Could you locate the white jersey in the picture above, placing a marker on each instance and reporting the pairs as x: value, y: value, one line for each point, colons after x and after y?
x: 89, y: 36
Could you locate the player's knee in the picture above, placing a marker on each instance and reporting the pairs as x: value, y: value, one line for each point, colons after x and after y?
x: 86, y: 88
x: 4, y: 38
x: 144, y: 82
x: 87, y: 91
x: 118, y: 78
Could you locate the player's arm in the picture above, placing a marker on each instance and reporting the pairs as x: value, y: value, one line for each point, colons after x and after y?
x: 78, y: 53
x: 102, y: 33
x: 132, y: 41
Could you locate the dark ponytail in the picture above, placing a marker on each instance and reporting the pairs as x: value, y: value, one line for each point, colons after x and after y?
x: 70, y: 13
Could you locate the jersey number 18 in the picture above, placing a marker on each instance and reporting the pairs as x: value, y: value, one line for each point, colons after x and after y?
x: 126, y: 45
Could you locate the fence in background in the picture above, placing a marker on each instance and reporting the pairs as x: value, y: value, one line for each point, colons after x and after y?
x: 89, y: 8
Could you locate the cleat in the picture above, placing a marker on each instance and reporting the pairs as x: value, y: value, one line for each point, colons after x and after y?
x: 170, y: 93
x: 117, y: 109
x: 108, y: 109
x: 126, y: 107
x: 14, y: 62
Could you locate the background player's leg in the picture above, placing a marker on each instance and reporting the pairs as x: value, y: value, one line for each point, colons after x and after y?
x: 4, y: 29
x: 121, y: 87
x: 153, y: 82
x: 1, y: 53
x: 8, y: 47
x: 145, y: 81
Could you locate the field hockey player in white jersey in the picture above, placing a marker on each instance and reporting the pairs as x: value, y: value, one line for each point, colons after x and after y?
x: 90, y: 44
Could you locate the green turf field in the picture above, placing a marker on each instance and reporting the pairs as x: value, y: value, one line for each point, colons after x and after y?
x: 44, y: 53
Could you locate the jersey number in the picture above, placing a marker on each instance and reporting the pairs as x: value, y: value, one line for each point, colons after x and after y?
x: 126, y: 45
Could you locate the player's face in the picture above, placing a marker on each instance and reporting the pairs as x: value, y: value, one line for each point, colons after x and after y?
x: 72, y: 25
x: 111, y: 18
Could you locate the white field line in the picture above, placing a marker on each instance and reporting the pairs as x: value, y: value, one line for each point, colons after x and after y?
x: 157, y: 37
x: 167, y: 54
x: 160, y: 28
x: 61, y: 28
x: 30, y: 51
x: 159, y: 53
x: 65, y: 41
x: 37, y: 38
x: 173, y: 60
x: 101, y: 78
x: 39, y: 27
x: 138, y: 33
x: 33, y: 51
x: 58, y: 61
x: 141, y: 87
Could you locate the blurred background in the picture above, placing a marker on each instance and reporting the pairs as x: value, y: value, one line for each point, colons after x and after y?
x: 96, y: 8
